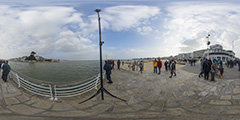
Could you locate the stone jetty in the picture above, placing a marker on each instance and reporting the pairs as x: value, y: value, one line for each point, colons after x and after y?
x: 149, y: 97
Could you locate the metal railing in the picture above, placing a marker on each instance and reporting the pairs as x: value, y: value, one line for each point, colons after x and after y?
x: 55, y: 90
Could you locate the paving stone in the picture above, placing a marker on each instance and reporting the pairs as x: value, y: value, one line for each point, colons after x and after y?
x: 189, y: 93
x: 220, y: 102
x: 11, y: 101
x: 176, y: 111
x: 3, y: 110
x: 4, y: 90
x: 11, y: 89
x: 236, y: 97
x: 233, y: 110
x: 77, y: 113
x: 236, y: 90
x: 24, y: 109
x: 204, y: 93
x: 40, y: 105
x: 23, y: 98
x: 227, y: 97
x: 158, y: 106
x: 122, y: 109
x: 62, y: 107
x: 29, y: 102
x: 99, y: 108
x: 213, y: 89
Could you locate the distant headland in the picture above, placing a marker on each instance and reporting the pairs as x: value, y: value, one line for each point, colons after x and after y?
x: 33, y: 58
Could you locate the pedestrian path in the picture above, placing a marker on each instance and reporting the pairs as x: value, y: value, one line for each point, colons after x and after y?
x: 148, y: 95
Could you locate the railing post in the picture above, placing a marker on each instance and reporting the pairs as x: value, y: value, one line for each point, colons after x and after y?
x: 19, y: 83
x: 55, y: 93
x: 51, y: 92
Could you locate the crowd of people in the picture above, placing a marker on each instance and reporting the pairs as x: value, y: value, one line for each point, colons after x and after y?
x: 215, y: 67
x: 136, y: 65
x: 5, y: 69
x: 169, y: 65
x: 208, y: 67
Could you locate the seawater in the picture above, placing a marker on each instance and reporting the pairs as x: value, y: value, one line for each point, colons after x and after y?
x: 63, y: 71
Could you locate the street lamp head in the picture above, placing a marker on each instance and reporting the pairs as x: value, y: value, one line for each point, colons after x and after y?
x: 208, y: 43
x: 98, y: 10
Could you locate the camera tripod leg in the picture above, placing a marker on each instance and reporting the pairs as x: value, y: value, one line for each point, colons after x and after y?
x: 92, y: 96
x: 114, y: 95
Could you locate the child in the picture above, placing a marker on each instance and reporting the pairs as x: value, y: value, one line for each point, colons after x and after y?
x: 221, y: 68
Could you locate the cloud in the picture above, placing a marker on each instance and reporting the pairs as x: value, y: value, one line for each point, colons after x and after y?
x: 60, y: 32
x: 120, y: 18
x: 41, y: 29
x: 188, y: 24
x: 144, y: 30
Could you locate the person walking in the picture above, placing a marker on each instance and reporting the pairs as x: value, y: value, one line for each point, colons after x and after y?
x: 118, y: 64
x: 201, y: 69
x: 0, y: 64
x: 173, y: 68
x: 134, y: 65
x: 239, y: 65
x: 155, y: 66
x: 141, y: 66
x: 159, y: 65
x: 206, y: 69
x: 166, y: 65
x: 213, y: 70
x: 113, y: 63
x: 6, y: 69
x: 221, y: 69
x: 108, y: 68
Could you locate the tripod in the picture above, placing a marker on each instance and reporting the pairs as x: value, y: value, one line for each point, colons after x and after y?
x: 101, y: 89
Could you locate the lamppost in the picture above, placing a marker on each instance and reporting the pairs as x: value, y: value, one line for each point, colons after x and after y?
x: 208, y: 43
x: 101, y: 89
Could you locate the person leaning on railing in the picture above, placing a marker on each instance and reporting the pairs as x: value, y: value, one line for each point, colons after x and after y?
x: 6, y: 69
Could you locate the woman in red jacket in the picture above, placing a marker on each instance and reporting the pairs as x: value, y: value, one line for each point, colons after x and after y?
x: 159, y: 65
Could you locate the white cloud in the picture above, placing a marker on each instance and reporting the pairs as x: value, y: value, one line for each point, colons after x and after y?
x: 144, y: 30
x: 61, y: 31
x: 194, y: 20
x: 124, y: 17
x: 41, y: 29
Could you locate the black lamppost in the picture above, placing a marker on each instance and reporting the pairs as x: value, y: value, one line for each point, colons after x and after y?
x: 208, y: 43
x: 101, y: 89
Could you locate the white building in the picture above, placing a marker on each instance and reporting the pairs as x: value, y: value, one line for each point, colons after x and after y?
x: 215, y: 52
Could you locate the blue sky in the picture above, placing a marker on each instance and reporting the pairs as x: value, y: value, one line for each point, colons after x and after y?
x: 68, y: 29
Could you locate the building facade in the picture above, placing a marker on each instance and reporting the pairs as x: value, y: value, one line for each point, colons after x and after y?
x: 217, y: 52
x: 214, y: 52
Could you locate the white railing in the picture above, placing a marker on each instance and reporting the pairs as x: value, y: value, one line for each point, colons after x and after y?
x: 55, y: 90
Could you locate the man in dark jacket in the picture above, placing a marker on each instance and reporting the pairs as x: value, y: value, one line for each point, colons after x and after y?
x: 108, y: 68
x: 166, y: 65
x: 172, y: 68
x: 6, y: 69
x: 239, y: 65
x: 206, y: 69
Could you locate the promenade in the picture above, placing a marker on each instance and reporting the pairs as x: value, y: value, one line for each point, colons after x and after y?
x: 149, y: 97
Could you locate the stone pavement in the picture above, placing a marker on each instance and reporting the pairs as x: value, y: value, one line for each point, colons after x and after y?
x: 148, y: 95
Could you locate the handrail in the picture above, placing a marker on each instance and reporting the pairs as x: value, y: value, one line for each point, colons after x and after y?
x: 55, y: 89
x: 53, y: 83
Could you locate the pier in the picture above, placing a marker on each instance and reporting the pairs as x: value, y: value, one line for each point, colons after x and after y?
x: 148, y: 95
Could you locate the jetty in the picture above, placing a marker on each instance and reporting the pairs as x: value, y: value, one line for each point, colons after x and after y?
x: 149, y: 96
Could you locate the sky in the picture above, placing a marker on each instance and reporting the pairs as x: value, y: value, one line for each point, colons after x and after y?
x: 68, y: 29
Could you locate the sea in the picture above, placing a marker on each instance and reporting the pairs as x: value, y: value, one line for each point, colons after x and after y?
x: 63, y: 71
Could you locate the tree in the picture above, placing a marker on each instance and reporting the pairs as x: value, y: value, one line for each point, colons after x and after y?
x: 31, y: 57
